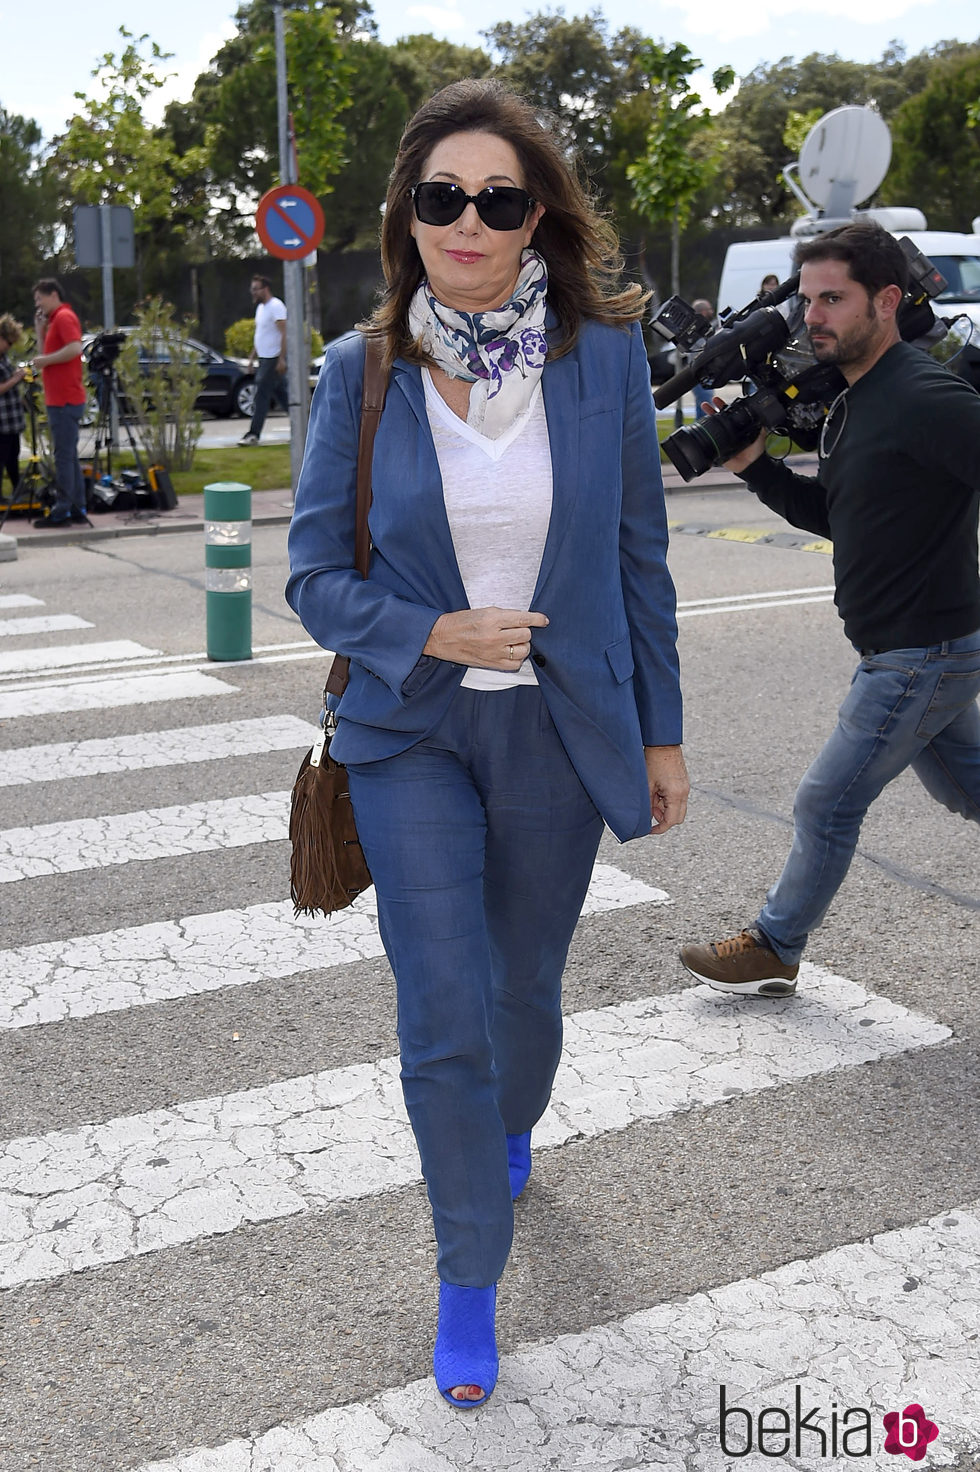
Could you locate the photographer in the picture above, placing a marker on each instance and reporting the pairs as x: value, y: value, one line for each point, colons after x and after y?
x: 898, y: 493
x: 11, y: 403
x: 60, y: 365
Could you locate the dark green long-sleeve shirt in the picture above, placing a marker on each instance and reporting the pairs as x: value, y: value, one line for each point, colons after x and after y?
x: 899, y: 497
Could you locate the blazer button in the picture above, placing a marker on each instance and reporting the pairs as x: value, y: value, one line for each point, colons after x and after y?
x: 538, y: 659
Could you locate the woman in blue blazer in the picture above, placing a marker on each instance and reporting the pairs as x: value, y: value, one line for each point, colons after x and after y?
x: 513, y: 678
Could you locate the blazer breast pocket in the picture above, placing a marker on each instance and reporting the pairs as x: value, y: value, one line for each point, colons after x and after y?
x: 588, y: 408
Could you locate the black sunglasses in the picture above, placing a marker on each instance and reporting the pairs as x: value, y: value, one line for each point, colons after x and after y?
x: 499, y: 206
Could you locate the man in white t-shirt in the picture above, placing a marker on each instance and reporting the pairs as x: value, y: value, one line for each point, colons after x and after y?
x: 269, y: 347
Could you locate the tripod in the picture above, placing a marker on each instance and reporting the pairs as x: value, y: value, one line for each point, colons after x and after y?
x: 36, y: 484
x: 111, y: 411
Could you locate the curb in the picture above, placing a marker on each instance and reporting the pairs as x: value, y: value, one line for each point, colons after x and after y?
x: 112, y: 525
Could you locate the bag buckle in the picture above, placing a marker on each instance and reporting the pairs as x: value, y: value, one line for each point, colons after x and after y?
x: 319, y: 746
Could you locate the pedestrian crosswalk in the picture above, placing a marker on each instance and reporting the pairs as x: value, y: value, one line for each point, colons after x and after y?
x: 94, y: 1195
x: 601, y: 1399
x: 103, y: 1208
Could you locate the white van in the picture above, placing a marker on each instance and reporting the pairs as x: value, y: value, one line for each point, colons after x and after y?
x: 956, y: 256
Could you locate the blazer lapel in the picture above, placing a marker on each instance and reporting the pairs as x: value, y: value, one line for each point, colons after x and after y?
x: 560, y: 385
x: 435, y: 539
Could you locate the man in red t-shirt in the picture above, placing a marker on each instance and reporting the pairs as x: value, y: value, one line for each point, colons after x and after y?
x: 60, y: 364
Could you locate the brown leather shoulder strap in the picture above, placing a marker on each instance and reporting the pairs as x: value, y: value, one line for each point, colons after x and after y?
x: 372, y: 403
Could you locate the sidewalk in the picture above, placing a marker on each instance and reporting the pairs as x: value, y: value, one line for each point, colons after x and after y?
x: 272, y: 508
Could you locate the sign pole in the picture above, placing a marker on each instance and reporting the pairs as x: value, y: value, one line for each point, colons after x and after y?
x: 108, y: 294
x: 108, y: 305
x: 298, y: 371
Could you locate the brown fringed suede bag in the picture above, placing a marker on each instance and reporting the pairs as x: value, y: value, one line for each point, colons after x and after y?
x: 327, y: 869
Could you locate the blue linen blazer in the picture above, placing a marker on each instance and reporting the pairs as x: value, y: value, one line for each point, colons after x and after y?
x: 607, y: 661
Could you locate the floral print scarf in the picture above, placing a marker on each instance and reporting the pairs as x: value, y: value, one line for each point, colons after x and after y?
x: 501, y: 352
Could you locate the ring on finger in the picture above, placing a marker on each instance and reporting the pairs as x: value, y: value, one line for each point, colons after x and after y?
x: 510, y: 651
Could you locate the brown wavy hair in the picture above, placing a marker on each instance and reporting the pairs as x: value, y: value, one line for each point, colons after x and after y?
x: 10, y: 329
x: 579, y: 246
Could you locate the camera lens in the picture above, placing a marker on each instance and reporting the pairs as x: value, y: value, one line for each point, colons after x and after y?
x: 716, y: 438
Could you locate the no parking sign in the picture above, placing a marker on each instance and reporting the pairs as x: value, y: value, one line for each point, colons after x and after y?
x: 289, y: 222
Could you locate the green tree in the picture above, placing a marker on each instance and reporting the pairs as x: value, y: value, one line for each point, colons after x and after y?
x: 679, y: 159
x: 29, y: 218
x: 773, y: 98
x: 752, y: 129
x: 232, y: 114
x: 936, y: 145
x: 109, y: 153
x: 164, y: 420
x: 576, y: 71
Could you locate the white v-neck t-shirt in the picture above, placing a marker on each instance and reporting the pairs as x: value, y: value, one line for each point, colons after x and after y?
x: 498, y: 502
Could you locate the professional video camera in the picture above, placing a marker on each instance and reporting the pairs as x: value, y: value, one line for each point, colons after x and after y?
x: 104, y: 351
x: 791, y: 391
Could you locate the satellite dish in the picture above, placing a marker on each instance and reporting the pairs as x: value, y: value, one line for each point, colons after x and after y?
x: 844, y: 158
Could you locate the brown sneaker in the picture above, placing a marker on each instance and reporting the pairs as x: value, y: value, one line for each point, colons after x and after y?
x: 743, y: 965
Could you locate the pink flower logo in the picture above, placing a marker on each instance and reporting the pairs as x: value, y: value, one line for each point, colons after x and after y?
x: 909, y: 1431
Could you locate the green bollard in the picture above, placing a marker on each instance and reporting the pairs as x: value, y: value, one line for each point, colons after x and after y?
x: 228, y: 569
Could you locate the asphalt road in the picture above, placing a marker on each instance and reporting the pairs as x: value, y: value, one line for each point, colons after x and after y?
x: 140, y: 1321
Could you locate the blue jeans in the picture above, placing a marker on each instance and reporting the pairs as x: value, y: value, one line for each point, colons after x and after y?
x: 270, y: 386
x: 906, y: 708
x: 481, y: 841
x: 64, y: 421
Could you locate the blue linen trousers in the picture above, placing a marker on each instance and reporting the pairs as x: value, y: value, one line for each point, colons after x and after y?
x: 481, y: 841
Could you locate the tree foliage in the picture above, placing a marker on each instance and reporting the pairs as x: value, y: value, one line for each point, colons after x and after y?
x: 164, y: 420
x: 109, y: 154
x: 673, y: 169
x: 575, y: 71
x: 759, y: 127
x: 30, y: 206
x: 936, y: 152
x: 678, y: 159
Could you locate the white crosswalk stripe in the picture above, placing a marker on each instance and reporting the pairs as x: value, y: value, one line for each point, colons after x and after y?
x: 63, y: 759
x: 143, y: 964
x: 155, y: 833
x: 841, y: 1331
x: 71, y: 656
x: 109, y: 692
x: 20, y: 600
x: 52, y: 623
x: 102, y: 1193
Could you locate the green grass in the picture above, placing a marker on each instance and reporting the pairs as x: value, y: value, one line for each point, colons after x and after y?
x: 267, y: 467
x: 263, y: 467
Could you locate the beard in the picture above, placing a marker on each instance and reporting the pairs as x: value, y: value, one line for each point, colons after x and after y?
x: 852, y: 346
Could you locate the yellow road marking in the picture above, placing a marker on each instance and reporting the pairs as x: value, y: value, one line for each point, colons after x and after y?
x: 737, y: 534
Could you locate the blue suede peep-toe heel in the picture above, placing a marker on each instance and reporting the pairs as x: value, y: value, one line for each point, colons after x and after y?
x: 518, y: 1162
x: 466, y: 1342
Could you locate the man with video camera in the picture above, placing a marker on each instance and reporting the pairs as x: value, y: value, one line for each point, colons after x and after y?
x: 60, y: 365
x: 898, y: 493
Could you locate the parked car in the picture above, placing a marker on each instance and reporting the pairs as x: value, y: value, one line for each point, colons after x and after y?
x: 228, y: 387
x: 317, y: 363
